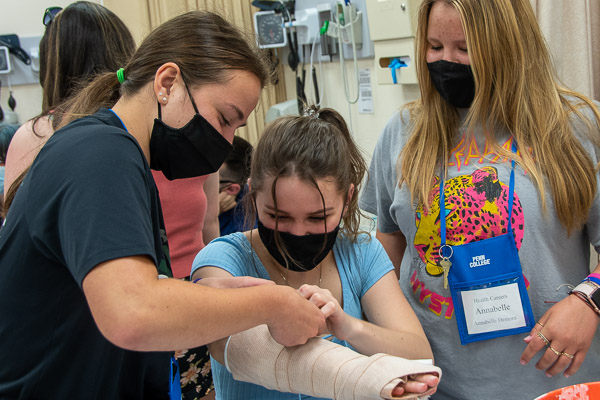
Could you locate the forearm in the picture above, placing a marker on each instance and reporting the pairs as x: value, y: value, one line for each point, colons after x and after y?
x: 183, y: 315
x: 321, y: 369
x: 137, y: 311
x: 369, y: 339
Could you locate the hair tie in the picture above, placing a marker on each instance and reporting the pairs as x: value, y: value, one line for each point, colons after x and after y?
x: 311, y: 112
x: 121, y: 75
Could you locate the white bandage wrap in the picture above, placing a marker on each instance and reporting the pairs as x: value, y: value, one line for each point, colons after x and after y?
x: 318, y: 368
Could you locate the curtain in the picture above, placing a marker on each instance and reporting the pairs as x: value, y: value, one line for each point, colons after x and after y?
x: 241, y: 14
x: 572, y: 30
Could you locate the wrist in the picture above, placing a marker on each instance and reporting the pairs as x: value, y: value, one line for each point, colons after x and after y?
x: 355, y: 331
x: 582, y: 299
x: 588, y: 292
x: 277, y: 297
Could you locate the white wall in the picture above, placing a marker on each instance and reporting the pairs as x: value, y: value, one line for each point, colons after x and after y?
x: 24, y: 18
x: 386, y: 98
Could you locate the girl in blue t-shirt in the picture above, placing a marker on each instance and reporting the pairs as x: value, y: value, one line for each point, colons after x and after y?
x: 303, y: 188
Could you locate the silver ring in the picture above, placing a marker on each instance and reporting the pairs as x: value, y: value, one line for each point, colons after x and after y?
x: 440, y: 251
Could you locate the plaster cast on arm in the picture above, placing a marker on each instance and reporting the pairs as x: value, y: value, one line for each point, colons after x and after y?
x: 318, y: 368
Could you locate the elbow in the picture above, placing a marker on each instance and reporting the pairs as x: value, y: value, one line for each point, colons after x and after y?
x: 128, y: 331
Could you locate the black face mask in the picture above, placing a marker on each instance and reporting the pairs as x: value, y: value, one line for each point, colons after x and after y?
x: 453, y: 81
x: 306, y: 250
x: 193, y: 150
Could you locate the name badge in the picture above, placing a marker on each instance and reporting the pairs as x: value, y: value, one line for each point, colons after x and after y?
x: 493, y: 309
x: 488, y: 290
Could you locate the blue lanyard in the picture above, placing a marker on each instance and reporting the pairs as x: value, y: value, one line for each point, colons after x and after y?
x: 174, y: 380
x: 513, y: 148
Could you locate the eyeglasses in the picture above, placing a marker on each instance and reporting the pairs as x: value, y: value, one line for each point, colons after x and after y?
x: 49, y: 14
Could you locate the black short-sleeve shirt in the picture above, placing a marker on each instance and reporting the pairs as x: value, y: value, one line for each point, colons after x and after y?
x: 89, y: 197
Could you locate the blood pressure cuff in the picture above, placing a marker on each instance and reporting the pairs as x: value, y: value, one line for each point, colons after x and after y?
x: 318, y: 368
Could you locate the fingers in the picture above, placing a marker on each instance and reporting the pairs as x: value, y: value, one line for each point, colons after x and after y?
x: 327, y: 305
x: 420, y: 383
x: 552, y: 360
x: 316, y: 295
x: 319, y: 300
x: 309, y: 290
x: 576, y: 362
x: 398, y: 390
x: 429, y: 379
x: 536, y: 341
x: 328, y: 309
x: 415, y: 387
x: 555, y: 358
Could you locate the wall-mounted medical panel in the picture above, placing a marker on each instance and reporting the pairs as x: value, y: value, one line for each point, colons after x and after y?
x: 346, y: 18
x: 22, y: 73
x: 392, y: 25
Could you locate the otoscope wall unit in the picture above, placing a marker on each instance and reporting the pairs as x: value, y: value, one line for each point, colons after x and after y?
x: 330, y: 22
x: 392, y: 25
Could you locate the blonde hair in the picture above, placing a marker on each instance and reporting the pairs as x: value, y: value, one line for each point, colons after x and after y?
x: 516, y: 89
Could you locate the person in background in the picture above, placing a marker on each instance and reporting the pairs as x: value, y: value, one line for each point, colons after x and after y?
x: 486, y: 196
x: 233, y: 175
x: 80, y: 41
x: 190, y: 210
x: 88, y: 308
x: 303, y: 190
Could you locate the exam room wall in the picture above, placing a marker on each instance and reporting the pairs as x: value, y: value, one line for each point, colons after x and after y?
x: 25, y: 19
x: 365, y: 127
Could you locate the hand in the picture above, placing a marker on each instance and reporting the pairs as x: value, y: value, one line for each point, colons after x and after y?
x: 226, y: 202
x: 338, y: 322
x: 234, y: 282
x: 569, y: 326
x: 417, y: 384
x: 293, y: 319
